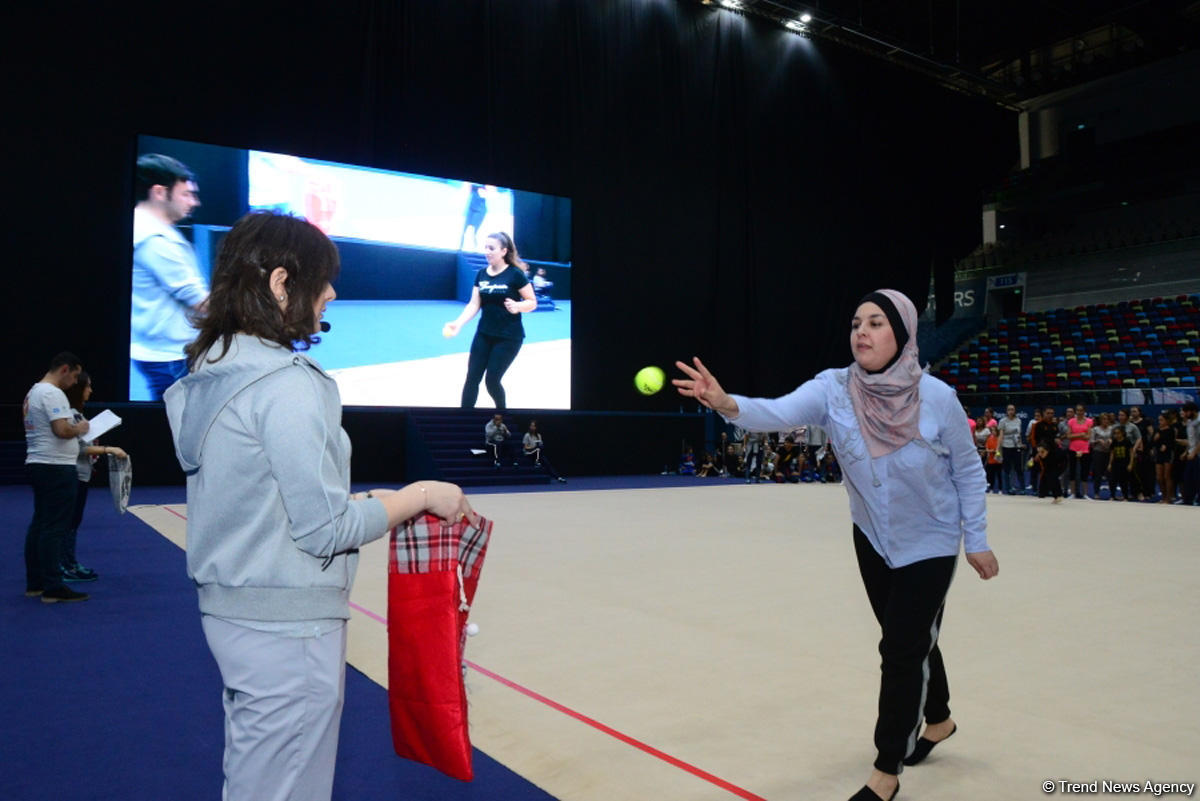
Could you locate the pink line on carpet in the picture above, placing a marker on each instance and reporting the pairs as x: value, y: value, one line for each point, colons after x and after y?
x: 595, y: 724
x: 368, y: 613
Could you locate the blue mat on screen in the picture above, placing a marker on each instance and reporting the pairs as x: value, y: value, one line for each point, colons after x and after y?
x: 380, y: 331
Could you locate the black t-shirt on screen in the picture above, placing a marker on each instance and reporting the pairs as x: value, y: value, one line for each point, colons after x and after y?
x: 494, y: 319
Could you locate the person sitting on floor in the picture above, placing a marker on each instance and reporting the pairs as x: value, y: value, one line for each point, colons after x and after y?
x: 687, y: 462
x: 533, y: 446
x: 496, y: 434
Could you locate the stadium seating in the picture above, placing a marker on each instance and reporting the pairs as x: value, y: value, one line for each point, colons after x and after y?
x: 1139, y: 343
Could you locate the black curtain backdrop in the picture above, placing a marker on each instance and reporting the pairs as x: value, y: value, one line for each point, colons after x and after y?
x: 736, y: 188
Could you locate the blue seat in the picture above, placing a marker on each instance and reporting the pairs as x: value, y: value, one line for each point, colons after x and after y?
x: 1143, y: 382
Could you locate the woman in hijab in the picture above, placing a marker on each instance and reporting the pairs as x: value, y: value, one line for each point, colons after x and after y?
x: 916, y: 489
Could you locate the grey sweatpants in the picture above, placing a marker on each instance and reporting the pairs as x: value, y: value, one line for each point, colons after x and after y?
x: 283, y: 706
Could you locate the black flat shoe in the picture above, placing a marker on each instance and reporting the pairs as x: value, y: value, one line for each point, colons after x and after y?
x: 867, y: 794
x: 923, y: 748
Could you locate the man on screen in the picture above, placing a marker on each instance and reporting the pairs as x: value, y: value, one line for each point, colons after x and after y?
x: 167, y: 283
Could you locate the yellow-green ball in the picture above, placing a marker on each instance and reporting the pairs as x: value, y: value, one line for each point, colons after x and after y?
x: 649, y: 380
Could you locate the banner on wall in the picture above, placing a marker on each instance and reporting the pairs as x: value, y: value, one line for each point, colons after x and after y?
x: 969, y: 294
x: 1167, y: 396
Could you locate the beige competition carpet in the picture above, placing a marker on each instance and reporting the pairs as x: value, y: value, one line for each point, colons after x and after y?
x: 714, y: 642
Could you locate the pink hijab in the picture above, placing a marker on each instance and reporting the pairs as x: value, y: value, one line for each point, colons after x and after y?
x: 888, y: 403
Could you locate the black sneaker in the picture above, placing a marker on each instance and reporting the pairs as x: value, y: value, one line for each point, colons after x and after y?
x: 64, y: 594
x: 30, y: 592
x: 79, y: 573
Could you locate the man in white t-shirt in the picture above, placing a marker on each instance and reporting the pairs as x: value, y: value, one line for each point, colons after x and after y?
x: 51, y: 449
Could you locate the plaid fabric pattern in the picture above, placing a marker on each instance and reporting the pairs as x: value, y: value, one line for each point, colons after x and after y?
x: 428, y: 544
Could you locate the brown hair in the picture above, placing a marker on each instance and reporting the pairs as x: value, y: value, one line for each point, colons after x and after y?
x: 241, y: 300
x: 512, y: 258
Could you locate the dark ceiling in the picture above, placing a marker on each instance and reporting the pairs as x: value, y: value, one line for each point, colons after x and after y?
x: 1008, y: 51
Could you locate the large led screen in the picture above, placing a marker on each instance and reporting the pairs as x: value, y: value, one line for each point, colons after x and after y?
x: 413, y: 252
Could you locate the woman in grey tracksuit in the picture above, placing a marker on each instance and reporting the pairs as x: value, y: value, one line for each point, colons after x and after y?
x: 273, y: 531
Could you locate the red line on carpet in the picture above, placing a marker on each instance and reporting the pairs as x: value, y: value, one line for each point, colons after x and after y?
x: 595, y: 724
x: 625, y: 738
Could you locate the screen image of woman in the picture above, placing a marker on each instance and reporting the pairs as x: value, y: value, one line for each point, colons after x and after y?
x: 501, y: 294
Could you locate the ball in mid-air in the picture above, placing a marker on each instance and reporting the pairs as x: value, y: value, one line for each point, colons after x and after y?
x: 649, y: 380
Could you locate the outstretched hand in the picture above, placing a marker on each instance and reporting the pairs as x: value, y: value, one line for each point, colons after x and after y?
x: 701, y: 385
x: 985, y: 564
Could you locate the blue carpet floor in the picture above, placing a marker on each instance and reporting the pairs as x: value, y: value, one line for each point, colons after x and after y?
x: 379, y: 331
x: 117, y: 698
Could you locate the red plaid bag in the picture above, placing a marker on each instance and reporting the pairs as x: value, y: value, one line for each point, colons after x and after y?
x: 433, y: 571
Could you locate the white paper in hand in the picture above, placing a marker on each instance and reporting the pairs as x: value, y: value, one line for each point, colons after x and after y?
x: 101, y: 424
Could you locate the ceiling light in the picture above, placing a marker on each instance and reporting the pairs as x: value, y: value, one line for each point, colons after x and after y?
x: 806, y: 18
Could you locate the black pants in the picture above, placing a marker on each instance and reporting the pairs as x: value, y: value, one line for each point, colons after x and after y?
x: 502, y: 451
x: 1049, y: 483
x: 1121, y: 477
x: 539, y: 460
x: 68, y: 546
x: 908, y: 603
x: 492, y: 355
x: 1144, y: 468
x: 54, y: 487
x: 1191, y: 481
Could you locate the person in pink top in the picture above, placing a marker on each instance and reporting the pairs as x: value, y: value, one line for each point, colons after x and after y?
x: 1079, y: 430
